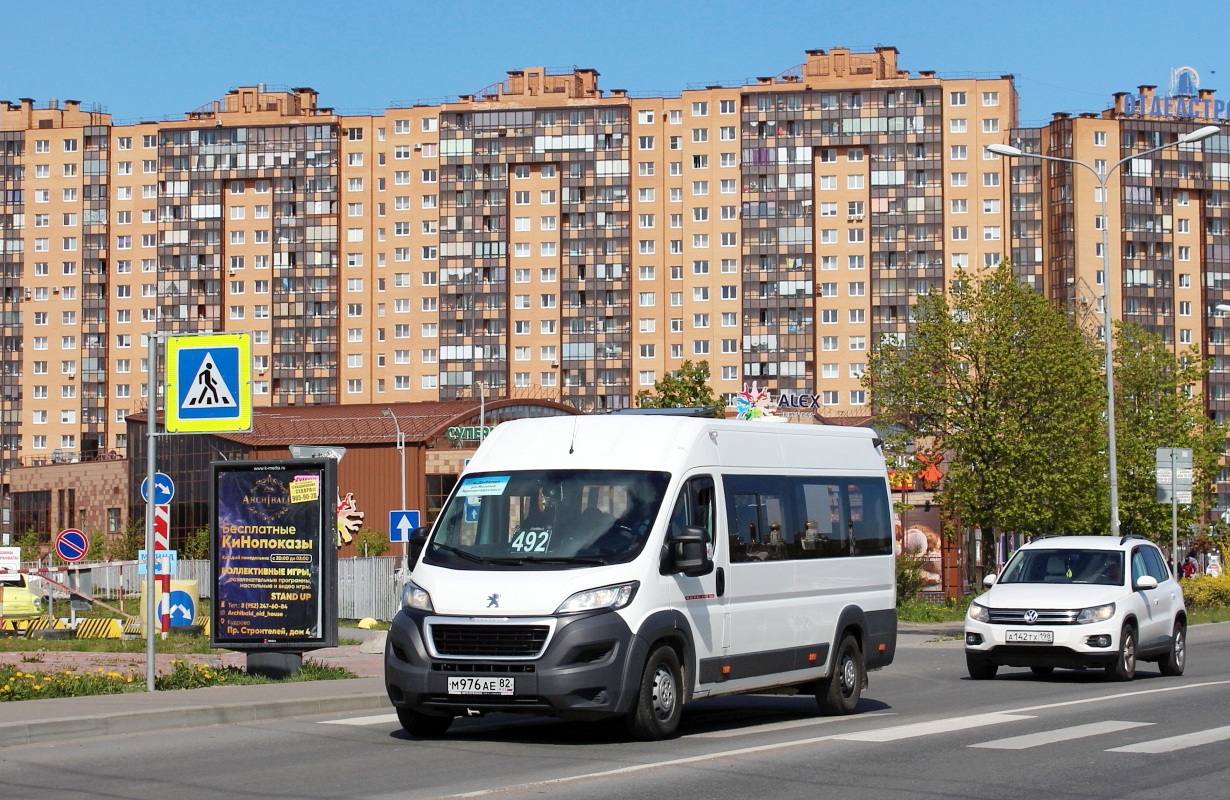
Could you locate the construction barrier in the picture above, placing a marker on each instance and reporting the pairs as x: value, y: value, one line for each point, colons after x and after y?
x: 100, y: 628
x: 43, y: 624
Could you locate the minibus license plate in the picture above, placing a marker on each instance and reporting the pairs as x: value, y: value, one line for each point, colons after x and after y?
x: 1030, y: 637
x: 467, y: 685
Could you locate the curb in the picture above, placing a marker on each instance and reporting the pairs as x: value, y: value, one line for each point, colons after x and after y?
x: 170, y: 715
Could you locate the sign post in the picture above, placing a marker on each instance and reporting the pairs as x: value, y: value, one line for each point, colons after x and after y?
x: 208, y: 389
x: 1174, y: 485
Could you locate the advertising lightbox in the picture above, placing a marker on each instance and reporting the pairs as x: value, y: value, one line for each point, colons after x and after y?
x: 274, y: 555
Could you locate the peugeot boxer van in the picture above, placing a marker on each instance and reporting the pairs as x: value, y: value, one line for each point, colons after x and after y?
x: 597, y: 566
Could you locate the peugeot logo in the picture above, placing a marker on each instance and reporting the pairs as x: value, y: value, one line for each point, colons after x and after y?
x: 1031, y: 616
x: 494, y: 602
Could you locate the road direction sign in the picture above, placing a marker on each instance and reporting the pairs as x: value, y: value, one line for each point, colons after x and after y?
x: 72, y: 545
x: 182, y: 608
x: 208, y: 383
x: 164, y: 489
x: 401, y: 523
x: 166, y: 562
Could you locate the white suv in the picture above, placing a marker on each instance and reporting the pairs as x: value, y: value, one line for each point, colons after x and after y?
x: 1067, y: 601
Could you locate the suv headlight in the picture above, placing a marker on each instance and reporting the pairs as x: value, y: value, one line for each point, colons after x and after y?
x: 1095, y: 614
x: 412, y: 596
x: 612, y: 597
x: 979, y: 613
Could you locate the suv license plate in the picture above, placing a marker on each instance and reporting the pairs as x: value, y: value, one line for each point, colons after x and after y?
x: 1030, y: 637
x: 496, y: 686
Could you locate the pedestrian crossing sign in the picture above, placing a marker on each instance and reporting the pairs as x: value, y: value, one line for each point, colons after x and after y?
x: 208, y: 383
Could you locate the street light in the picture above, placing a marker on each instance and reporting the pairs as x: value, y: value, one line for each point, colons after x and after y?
x: 401, y: 451
x: 1102, y: 175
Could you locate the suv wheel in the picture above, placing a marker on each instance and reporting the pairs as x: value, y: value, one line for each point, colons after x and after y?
x: 1124, y: 668
x: 1174, y: 661
x: 980, y: 670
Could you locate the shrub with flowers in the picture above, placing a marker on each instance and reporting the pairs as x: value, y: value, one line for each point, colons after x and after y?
x: 21, y: 684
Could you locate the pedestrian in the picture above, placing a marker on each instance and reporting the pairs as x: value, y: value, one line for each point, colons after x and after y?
x: 1190, y: 568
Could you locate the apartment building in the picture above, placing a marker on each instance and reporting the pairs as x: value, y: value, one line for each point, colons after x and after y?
x: 545, y: 238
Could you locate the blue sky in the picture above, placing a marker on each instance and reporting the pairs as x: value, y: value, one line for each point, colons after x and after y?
x: 161, y: 59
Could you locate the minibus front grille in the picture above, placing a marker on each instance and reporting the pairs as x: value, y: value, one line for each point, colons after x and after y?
x: 489, y: 641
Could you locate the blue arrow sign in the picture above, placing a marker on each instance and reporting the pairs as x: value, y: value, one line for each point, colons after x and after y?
x: 401, y: 523
x: 183, y: 608
x: 164, y: 489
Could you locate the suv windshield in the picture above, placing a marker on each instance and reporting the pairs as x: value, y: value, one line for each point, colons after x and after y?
x: 1065, y: 566
x: 557, y: 519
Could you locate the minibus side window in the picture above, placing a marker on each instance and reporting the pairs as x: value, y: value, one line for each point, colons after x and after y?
x: 695, y: 507
x: 870, y: 529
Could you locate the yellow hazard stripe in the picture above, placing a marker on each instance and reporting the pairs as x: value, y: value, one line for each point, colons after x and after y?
x: 102, y: 628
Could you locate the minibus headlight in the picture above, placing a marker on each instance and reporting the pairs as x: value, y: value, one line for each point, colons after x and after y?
x: 1095, y: 614
x: 414, y: 597
x: 613, y: 597
x: 979, y: 613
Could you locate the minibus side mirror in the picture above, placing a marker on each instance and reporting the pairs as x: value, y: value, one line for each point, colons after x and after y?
x: 687, y: 552
x: 418, y: 540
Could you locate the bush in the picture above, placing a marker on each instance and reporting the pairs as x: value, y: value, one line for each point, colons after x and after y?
x: 1206, y: 592
x: 910, y: 579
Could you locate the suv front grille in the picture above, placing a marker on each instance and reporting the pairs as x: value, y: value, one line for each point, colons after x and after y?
x: 489, y: 641
x: 1016, y: 616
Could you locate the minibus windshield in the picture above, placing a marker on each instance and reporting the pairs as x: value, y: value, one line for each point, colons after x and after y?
x: 547, y: 519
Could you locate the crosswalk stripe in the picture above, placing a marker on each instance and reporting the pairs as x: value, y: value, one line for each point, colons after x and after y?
x: 1173, y: 743
x: 782, y: 726
x: 928, y: 728
x: 375, y: 719
x: 1059, y: 735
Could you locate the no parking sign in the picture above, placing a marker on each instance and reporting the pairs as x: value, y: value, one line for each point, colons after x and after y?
x: 72, y: 545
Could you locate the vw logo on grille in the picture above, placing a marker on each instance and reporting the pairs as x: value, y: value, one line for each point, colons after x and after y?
x: 1031, y: 616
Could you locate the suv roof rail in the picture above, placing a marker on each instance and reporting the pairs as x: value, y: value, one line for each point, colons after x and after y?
x: 1127, y: 536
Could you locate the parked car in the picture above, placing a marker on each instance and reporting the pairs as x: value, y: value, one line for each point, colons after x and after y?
x: 1079, y: 602
x: 17, y: 601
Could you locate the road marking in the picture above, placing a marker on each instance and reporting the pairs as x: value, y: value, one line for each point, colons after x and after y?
x: 928, y: 728
x: 770, y: 727
x: 1060, y: 735
x: 1118, y: 696
x: 376, y: 719
x: 1169, y: 745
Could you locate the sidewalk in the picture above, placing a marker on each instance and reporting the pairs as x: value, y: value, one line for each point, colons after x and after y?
x: 31, y: 721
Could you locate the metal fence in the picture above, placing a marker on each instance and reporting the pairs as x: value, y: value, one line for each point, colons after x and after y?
x: 366, y: 587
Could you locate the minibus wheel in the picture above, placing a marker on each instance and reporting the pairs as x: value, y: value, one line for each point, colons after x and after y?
x: 839, y: 693
x: 659, y: 703
x: 424, y: 726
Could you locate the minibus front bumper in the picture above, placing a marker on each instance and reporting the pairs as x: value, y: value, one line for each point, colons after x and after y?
x: 577, y: 666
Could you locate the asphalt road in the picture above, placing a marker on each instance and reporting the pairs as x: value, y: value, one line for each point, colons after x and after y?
x: 925, y: 731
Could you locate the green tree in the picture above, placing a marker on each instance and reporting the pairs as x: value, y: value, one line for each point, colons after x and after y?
x: 1008, y: 388
x: 1156, y: 407
x: 125, y: 545
x: 686, y: 387
x: 195, y: 545
x: 371, y: 542
x: 30, y: 543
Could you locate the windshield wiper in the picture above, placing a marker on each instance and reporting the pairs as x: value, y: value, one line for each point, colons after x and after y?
x: 466, y: 554
x: 598, y: 562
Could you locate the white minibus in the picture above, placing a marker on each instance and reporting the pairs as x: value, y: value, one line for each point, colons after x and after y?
x: 624, y: 565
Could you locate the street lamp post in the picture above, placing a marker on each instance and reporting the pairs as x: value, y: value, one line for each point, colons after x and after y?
x: 401, y: 452
x: 1103, y: 175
